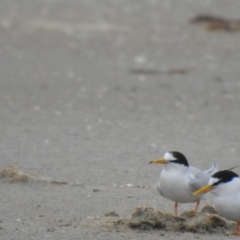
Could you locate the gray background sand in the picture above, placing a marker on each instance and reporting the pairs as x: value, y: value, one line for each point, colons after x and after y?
x: 72, y: 108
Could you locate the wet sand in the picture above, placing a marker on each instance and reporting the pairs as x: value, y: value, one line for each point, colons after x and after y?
x: 91, y: 91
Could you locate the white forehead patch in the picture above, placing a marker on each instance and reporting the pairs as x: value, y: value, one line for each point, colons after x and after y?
x: 213, y: 180
x: 168, y: 156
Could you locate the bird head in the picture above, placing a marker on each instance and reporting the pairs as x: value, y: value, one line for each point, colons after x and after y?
x: 218, y: 181
x: 172, y: 157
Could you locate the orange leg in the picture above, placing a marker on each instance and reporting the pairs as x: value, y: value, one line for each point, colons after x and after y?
x: 194, y: 212
x: 175, y: 208
x: 237, y: 228
x: 196, y: 208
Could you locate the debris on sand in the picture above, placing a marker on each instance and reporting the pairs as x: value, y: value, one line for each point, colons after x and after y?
x: 141, y: 71
x: 146, y: 218
x: 214, y: 23
x: 111, y: 214
x: 13, y: 174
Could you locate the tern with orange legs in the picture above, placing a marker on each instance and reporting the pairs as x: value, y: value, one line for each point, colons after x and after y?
x: 178, y: 180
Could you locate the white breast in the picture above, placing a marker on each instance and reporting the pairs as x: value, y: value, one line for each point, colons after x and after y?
x: 228, y: 206
x: 227, y: 199
x: 174, y: 185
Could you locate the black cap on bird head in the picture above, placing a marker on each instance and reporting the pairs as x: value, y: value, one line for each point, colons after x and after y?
x: 223, y: 177
x: 176, y: 157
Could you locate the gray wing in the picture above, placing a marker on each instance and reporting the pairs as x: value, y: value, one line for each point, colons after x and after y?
x: 197, y: 178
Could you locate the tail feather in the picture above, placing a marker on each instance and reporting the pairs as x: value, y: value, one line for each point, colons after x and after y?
x: 212, y: 170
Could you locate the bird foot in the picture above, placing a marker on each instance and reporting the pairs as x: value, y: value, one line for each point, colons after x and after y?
x: 192, y: 214
x: 235, y: 234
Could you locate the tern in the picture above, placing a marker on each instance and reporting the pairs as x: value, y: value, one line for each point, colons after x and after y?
x: 178, y: 180
x: 225, y: 187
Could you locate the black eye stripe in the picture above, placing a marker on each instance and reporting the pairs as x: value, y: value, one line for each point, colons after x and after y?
x: 216, y: 183
x: 180, y: 162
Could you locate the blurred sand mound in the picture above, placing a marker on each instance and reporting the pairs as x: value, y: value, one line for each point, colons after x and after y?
x: 146, y: 218
x: 207, y: 220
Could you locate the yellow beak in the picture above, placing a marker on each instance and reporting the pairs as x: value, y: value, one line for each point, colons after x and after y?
x: 204, y: 189
x: 161, y: 160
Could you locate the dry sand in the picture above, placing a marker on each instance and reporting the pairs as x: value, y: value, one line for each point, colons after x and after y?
x: 91, y: 91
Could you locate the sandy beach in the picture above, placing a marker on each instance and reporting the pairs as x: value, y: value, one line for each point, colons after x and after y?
x: 91, y: 91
